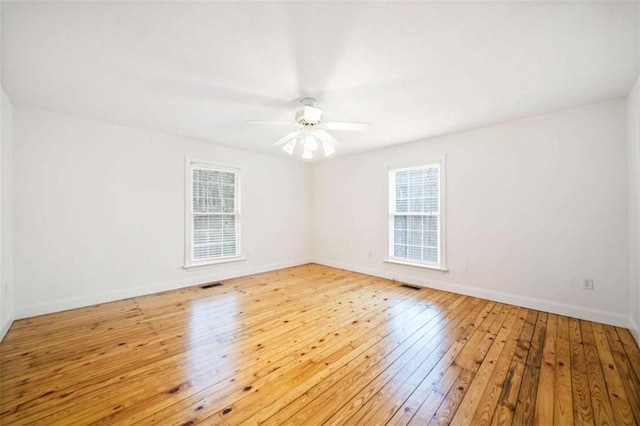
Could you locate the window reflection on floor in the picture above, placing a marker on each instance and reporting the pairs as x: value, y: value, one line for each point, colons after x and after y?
x: 214, y: 328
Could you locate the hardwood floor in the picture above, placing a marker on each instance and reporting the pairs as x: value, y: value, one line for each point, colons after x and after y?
x: 314, y: 345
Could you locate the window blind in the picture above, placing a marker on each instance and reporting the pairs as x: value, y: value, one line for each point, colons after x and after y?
x: 415, y: 214
x: 214, y: 212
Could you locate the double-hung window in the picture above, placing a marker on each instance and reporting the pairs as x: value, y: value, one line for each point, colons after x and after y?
x: 213, y: 214
x: 416, y: 219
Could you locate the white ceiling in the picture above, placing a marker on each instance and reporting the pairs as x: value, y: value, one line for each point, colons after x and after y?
x: 414, y: 70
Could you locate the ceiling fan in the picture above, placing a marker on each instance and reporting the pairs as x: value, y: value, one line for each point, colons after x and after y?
x: 312, y: 132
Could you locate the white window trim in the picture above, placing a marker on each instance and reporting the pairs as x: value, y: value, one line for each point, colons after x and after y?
x: 442, y: 265
x: 189, y: 263
x: 416, y: 264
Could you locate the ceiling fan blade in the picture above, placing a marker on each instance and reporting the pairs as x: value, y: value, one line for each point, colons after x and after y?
x: 279, y: 123
x: 287, y: 138
x: 335, y: 125
x: 312, y: 114
x: 201, y: 88
x: 326, y: 137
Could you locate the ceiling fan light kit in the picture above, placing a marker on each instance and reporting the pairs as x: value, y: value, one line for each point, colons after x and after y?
x: 290, y: 146
x: 328, y: 149
x: 311, y: 134
x: 307, y: 143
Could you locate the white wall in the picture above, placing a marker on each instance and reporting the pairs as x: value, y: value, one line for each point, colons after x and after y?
x: 99, y: 211
x: 533, y: 206
x: 633, y: 135
x: 6, y: 227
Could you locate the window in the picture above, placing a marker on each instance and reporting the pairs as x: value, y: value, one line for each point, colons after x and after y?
x: 416, y: 221
x: 213, y: 208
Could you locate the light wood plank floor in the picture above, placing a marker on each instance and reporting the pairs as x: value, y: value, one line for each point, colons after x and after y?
x: 315, y: 345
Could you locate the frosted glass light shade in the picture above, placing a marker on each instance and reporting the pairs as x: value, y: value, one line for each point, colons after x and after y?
x: 289, y: 147
x: 328, y: 149
x: 310, y: 143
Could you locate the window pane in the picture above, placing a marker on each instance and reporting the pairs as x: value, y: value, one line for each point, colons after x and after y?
x: 430, y: 238
x: 400, y: 251
x: 415, y: 238
x: 400, y: 222
x: 430, y: 223
x: 400, y: 237
x: 417, y: 205
x: 431, y: 204
x: 229, y: 249
x: 229, y: 228
x: 229, y: 190
x: 228, y: 205
x: 200, y: 252
x: 414, y: 253
x: 215, y: 250
x: 415, y: 222
x: 430, y: 254
x: 402, y: 190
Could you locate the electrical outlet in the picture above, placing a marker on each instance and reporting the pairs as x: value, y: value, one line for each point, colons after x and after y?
x: 464, y: 266
x: 587, y: 284
x: 370, y: 255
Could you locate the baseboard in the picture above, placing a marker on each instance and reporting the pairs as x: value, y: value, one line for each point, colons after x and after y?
x: 80, y: 302
x: 635, y: 330
x: 573, y: 311
x: 6, y: 326
x: 538, y: 304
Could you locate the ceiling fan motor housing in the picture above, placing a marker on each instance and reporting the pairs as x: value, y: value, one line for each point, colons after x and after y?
x: 303, y: 119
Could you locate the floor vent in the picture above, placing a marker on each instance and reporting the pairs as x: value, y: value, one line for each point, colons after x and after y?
x: 411, y: 286
x: 210, y: 285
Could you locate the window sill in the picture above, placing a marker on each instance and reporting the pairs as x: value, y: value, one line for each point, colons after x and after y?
x: 214, y: 262
x: 417, y: 265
